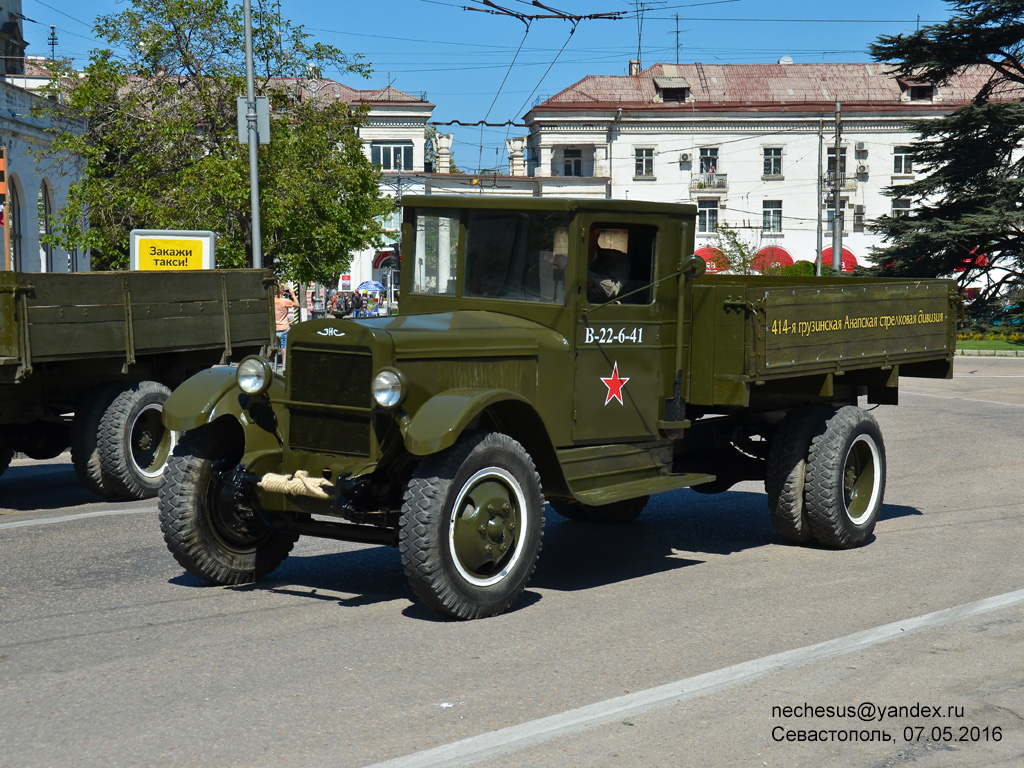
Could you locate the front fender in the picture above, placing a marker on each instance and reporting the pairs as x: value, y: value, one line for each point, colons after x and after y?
x: 439, y: 422
x: 213, y: 393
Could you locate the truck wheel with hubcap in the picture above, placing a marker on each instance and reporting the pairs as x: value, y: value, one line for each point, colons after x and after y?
x: 472, y: 525
x: 787, y: 471
x: 134, y: 445
x: 845, y: 479
x: 204, y: 527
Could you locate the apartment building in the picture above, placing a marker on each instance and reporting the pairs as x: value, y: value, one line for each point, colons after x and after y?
x: 748, y: 143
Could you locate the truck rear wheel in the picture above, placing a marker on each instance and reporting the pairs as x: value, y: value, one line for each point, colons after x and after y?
x: 134, y: 445
x: 201, y: 522
x: 85, y: 430
x: 472, y: 526
x: 845, y: 479
x: 787, y: 470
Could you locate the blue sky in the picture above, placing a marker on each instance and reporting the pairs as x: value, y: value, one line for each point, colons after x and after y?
x: 474, y: 64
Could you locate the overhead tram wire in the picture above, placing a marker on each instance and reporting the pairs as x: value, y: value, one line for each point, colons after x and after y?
x: 553, y: 13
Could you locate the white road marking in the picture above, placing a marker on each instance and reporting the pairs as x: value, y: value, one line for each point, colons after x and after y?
x: 506, y: 740
x: 964, y: 399
x: 71, y: 518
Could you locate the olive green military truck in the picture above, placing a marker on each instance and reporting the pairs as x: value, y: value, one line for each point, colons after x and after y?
x: 87, y: 361
x: 563, y: 351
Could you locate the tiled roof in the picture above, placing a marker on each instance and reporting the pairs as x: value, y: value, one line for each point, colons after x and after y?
x: 717, y: 86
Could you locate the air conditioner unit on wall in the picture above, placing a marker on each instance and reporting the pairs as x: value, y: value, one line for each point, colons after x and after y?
x: 861, y: 146
x: 684, y: 157
x: 862, y: 168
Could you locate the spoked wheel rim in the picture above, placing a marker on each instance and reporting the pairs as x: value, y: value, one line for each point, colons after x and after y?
x: 861, y: 473
x: 487, y: 527
x: 150, y: 443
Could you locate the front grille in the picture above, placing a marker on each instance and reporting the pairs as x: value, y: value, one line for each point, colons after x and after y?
x: 331, y: 378
x: 330, y: 400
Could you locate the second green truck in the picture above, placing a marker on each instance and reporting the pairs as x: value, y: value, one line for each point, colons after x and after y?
x: 569, y: 352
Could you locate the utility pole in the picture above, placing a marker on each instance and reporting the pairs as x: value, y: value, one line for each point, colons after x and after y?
x: 837, y: 219
x: 677, y: 37
x: 52, y: 42
x: 254, y: 139
x: 821, y: 194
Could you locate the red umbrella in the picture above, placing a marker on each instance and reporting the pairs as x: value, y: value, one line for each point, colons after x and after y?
x: 771, y: 256
x: 715, y: 258
x: 975, y: 259
x: 849, y: 260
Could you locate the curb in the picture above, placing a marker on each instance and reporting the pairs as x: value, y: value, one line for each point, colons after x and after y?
x: 990, y: 353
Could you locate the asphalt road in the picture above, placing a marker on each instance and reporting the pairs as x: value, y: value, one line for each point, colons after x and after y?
x: 692, y: 637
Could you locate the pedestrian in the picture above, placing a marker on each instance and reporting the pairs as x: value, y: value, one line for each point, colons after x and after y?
x: 357, y: 305
x: 284, y: 302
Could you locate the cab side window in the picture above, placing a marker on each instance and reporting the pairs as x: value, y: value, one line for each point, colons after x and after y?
x: 620, y: 263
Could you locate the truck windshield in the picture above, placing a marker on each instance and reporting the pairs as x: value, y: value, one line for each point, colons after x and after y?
x: 513, y: 256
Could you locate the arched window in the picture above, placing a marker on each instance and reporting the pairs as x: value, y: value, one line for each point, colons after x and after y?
x: 14, y: 211
x: 45, y: 210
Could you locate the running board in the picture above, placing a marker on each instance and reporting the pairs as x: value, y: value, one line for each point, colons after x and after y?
x: 645, y: 487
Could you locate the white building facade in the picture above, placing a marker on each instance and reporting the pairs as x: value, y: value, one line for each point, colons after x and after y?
x: 35, y: 191
x: 748, y: 144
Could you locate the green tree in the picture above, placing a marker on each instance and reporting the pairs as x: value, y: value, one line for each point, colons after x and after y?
x: 741, y: 254
x: 968, y: 202
x: 158, y: 133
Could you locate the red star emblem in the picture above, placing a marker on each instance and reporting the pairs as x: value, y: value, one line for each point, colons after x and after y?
x: 615, y: 383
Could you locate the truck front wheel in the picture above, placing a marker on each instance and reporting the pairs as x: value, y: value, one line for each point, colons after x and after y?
x: 845, y: 479
x: 133, y: 443
x: 202, y: 525
x: 472, y: 525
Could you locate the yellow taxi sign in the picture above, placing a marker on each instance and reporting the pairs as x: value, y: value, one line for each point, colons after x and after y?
x: 169, y: 249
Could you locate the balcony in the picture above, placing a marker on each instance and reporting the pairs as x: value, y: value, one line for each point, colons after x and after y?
x: 840, y: 181
x: 710, y: 182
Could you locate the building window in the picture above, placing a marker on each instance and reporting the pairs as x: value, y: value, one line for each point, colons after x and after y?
x: 44, y: 209
x: 921, y: 92
x: 830, y: 212
x: 573, y: 159
x: 900, y: 207
x: 772, y: 215
x: 832, y: 161
x: 709, y: 160
x: 14, y: 211
x: 773, y: 161
x: 902, y: 161
x: 644, y: 163
x: 707, y: 216
x: 392, y: 156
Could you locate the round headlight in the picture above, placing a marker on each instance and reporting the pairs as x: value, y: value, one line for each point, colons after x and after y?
x: 254, y: 375
x: 387, y: 388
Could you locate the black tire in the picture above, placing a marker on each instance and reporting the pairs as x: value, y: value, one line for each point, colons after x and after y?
x: 472, y: 526
x: 787, y: 471
x: 85, y: 430
x: 845, y: 479
x: 133, y: 444
x: 620, y: 512
x: 201, y: 524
